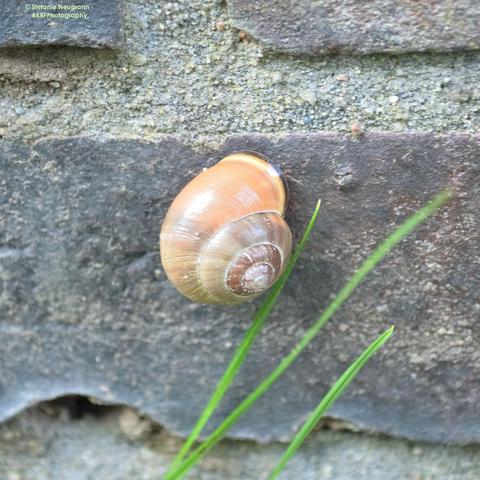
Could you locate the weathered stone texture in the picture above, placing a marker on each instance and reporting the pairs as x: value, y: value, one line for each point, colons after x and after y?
x: 85, y: 306
x: 95, y: 23
x: 53, y: 442
x: 359, y: 26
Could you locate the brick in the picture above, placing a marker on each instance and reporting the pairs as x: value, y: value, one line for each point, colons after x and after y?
x: 85, y: 23
x: 85, y: 306
x: 358, y: 26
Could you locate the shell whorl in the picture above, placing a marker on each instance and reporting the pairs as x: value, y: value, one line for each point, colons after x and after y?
x: 244, y: 258
x: 224, y: 239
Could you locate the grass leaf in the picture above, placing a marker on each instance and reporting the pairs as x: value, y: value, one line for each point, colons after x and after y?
x: 378, y: 254
x: 338, y: 388
x: 246, y: 344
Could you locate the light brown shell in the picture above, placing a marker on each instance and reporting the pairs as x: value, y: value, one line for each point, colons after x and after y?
x: 224, y: 239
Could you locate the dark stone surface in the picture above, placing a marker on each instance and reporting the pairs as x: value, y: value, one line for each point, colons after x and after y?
x: 331, y: 26
x: 95, y: 23
x: 85, y: 307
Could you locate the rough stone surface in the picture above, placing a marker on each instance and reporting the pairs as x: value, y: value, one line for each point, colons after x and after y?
x: 359, y: 26
x: 199, y: 81
x: 54, y: 441
x: 85, y: 307
x: 85, y: 23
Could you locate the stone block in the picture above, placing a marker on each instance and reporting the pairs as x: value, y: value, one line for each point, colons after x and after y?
x: 82, y: 23
x: 85, y: 307
x: 359, y: 26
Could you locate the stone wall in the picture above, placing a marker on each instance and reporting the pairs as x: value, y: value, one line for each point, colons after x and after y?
x: 371, y: 106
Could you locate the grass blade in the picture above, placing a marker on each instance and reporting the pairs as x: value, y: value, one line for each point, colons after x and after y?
x: 379, y: 253
x: 338, y: 388
x: 246, y: 344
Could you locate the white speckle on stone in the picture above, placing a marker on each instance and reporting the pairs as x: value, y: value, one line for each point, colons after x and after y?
x: 138, y: 59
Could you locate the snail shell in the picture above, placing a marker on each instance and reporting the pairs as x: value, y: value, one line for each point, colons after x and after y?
x: 224, y: 239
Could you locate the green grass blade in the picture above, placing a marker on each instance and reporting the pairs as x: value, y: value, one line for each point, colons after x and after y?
x: 338, y: 388
x: 246, y: 344
x: 395, y: 237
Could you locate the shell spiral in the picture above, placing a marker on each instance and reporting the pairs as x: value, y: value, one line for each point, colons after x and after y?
x: 224, y: 239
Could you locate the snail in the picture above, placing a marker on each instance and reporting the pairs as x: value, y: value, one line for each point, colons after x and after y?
x: 224, y: 239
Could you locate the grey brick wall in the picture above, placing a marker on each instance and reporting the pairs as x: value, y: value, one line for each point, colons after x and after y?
x: 96, y: 142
